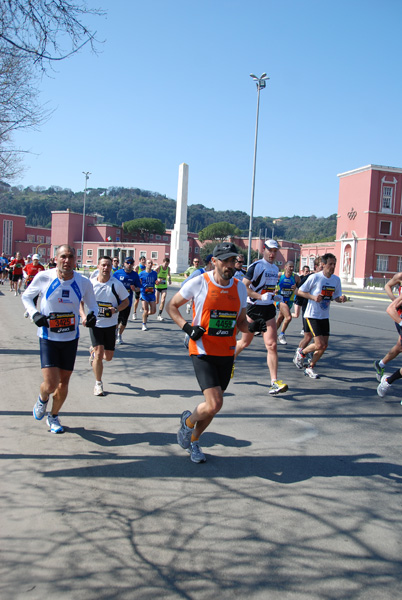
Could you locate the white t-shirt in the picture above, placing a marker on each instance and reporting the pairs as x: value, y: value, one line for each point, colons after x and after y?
x: 105, y: 298
x: 60, y: 302
x: 264, y: 278
x: 318, y: 284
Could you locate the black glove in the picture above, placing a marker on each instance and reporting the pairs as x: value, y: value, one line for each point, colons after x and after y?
x: 91, y: 320
x: 194, y: 331
x: 40, y: 320
x: 257, y: 325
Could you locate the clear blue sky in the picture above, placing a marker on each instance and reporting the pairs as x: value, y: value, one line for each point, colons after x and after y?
x: 171, y: 84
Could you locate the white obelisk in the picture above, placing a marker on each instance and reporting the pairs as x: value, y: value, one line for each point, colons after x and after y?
x: 179, y: 245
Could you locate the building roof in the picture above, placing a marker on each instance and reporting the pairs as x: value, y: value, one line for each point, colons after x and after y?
x: 371, y: 168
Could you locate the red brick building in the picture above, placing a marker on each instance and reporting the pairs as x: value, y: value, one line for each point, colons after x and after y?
x: 15, y: 236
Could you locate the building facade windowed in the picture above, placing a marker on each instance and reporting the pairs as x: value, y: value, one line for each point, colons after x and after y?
x: 385, y: 227
x: 386, y: 205
x: 382, y: 263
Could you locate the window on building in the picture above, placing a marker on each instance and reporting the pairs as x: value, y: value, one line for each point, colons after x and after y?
x: 143, y: 253
x: 41, y: 239
x: 7, y: 236
x: 196, y: 250
x: 118, y: 231
x: 165, y: 238
x: 151, y: 236
x: 382, y: 263
x: 386, y: 205
x: 157, y: 236
x: 30, y: 238
x: 78, y: 251
x: 48, y: 239
x: 399, y: 264
x: 89, y: 252
x: 385, y: 227
x: 154, y: 255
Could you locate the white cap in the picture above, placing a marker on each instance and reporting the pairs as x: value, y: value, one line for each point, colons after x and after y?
x: 35, y: 257
x: 271, y: 244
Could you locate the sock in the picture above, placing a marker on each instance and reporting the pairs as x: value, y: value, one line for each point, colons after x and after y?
x: 194, y: 438
x: 43, y: 401
x: 394, y: 377
x: 99, y: 382
x: 189, y: 424
x: 382, y: 365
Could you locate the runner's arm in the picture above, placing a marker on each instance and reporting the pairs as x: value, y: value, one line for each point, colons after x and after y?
x: 395, y: 280
x: 36, y: 288
x: 392, y: 309
x: 242, y: 323
x: 173, y: 309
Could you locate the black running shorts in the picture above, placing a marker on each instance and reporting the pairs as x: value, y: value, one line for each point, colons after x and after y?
x: 103, y: 336
x: 123, y: 316
x: 317, y: 326
x: 261, y: 311
x: 58, y: 354
x: 212, y: 371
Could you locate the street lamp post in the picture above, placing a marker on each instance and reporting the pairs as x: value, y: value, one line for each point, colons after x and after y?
x: 261, y: 83
x: 87, y: 174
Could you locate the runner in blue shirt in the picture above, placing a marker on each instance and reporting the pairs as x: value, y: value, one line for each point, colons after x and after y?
x: 131, y: 282
x: 148, y: 278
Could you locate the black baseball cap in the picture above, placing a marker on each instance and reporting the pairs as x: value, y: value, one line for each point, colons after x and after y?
x: 224, y: 251
x: 129, y: 260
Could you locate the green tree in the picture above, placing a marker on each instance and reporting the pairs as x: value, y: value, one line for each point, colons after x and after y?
x: 218, y: 231
x: 145, y: 227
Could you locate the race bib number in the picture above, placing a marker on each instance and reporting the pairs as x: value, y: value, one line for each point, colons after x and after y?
x: 270, y: 289
x: 162, y: 281
x: 61, y: 322
x: 327, y: 293
x: 222, y: 322
x: 105, y: 309
x: 286, y: 293
x: 149, y: 290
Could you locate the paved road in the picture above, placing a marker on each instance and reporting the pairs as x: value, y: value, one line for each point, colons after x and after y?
x: 299, y: 499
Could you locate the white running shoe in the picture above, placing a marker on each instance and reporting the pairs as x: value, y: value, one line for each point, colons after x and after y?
x: 134, y: 317
x: 118, y: 340
x: 188, y: 309
x: 282, y: 339
x: 39, y: 409
x: 54, y: 424
x: 144, y: 327
x: 160, y: 318
x: 384, y: 387
x: 277, y: 387
x: 298, y: 359
x: 98, y: 389
x: 309, y: 371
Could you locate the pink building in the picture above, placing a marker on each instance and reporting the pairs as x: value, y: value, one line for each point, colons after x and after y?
x: 309, y: 252
x: 369, y: 231
x: 109, y: 240
x: 368, y: 243
x: 16, y: 235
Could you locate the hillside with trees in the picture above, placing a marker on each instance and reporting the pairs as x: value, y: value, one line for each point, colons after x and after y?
x: 119, y: 205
